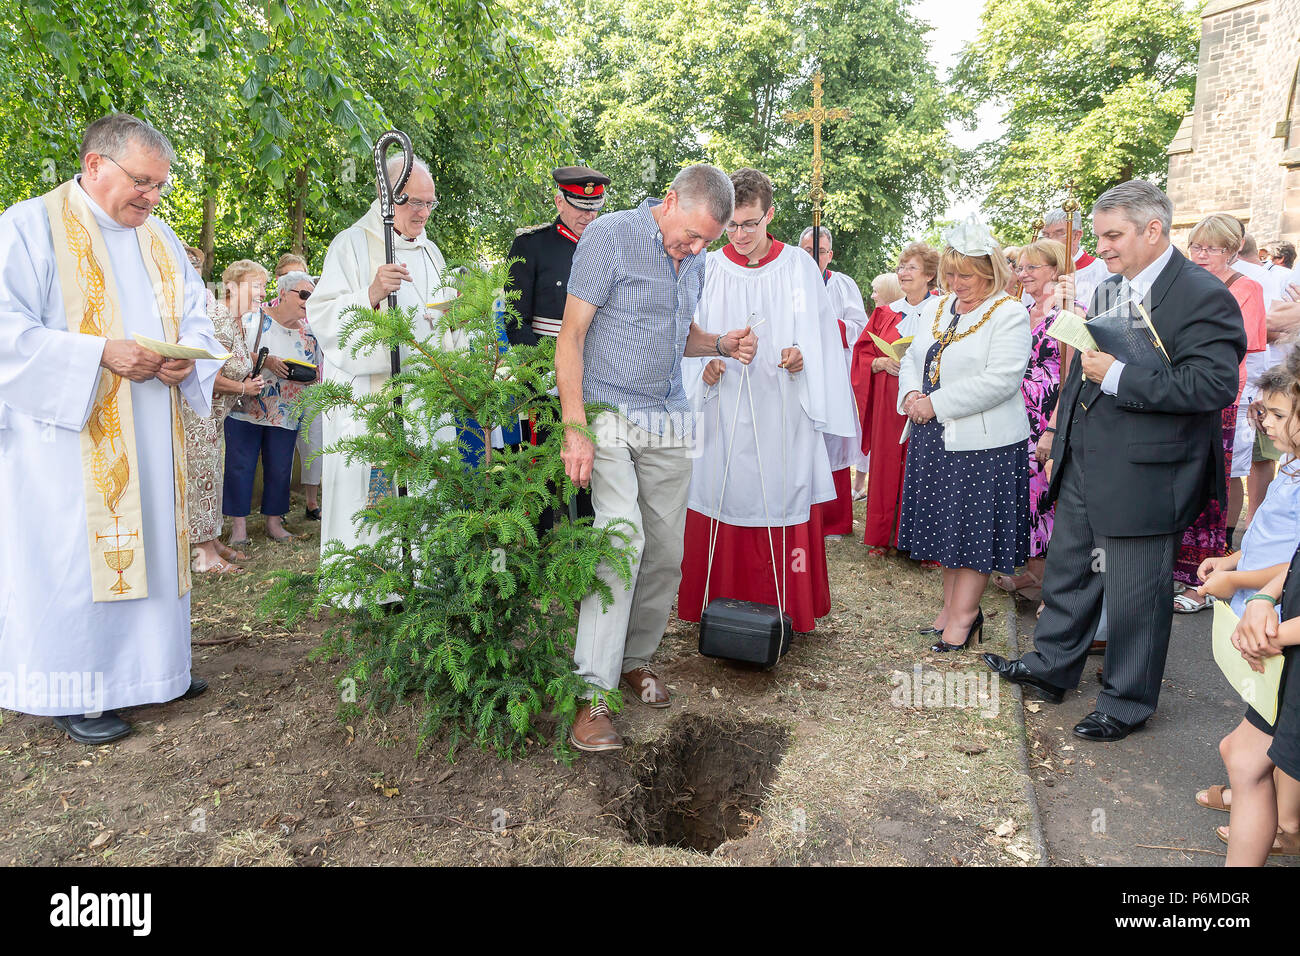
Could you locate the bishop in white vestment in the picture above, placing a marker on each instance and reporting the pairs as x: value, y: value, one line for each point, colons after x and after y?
x: 94, y: 581
x: 355, y: 274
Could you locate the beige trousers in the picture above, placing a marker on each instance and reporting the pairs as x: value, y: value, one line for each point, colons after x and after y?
x: 645, y: 478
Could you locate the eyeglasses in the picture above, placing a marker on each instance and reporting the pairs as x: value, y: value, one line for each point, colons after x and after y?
x: 745, y: 227
x: 143, y: 186
x: 1197, y: 249
x: 429, y: 205
x: 1029, y: 268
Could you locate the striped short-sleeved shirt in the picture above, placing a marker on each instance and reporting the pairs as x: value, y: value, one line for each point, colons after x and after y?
x: 632, y: 358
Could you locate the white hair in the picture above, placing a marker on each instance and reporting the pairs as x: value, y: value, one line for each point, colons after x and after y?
x: 825, y: 234
x: 111, y: 135
x: 287, y: 281
x: 1057, y: 214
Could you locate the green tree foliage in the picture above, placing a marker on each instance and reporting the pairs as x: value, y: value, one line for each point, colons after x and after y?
x: 1094, y: 91
x: 653, y: 86
x: 482, y: 643
x: 273, y: 106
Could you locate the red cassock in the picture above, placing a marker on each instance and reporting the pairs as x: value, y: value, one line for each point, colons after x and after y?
x: 877, y: 395
x: 743, y: 568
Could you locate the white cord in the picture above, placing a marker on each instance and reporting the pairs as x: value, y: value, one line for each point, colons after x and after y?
x: 778, y: 581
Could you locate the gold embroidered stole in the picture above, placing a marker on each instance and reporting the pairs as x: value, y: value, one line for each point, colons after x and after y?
x: 114, y: 519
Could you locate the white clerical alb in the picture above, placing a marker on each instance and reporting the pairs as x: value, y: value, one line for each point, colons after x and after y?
x: 349, y: 268
x: 789, y: 297
x: 848, y: 307
x: 62, y: 652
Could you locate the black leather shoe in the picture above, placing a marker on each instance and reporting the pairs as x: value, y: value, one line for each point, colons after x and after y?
x: 93, y: 731
x: 197, y: 686
x: 1104, y: 727
x: 1016, y: 672
x: 311, y: 514
x: 929, y: 630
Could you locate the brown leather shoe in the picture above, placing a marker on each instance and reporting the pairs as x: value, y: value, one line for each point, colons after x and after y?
x: 646, y: 686
x: 1097, y: 647
x: 593, y: 731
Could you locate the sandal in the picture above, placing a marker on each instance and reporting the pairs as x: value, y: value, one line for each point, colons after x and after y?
x: 1284, y: 844
x: 1008, y: 583
x: 220, y: 566
x: 241, y: 543
x: 860, y: 495
x: 1185, y: 605
x: 876, y: 551
x: 1213, y: 797
x: 931, y: 565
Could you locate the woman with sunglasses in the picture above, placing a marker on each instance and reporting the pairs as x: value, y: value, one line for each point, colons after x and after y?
x: 267, y: 425
x: 1213, y: 245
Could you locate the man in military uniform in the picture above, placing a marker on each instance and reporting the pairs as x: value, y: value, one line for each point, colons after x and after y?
x: 541, y: 276
x: 546, y: 254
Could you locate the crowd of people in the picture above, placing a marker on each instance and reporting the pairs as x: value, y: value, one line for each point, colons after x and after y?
x: 750, y: 399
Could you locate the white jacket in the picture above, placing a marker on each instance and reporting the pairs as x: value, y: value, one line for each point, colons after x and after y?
x: 978, y: 399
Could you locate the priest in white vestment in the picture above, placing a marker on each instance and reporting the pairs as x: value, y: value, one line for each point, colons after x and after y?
x: 1089, y: 271
x: 356, y: 274
x: 851, y: 318
x: 94, y: 582
x: 764, y: 528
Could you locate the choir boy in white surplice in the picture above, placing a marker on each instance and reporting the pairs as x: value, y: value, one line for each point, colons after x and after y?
x: 355, y: 274
x: 94, y: 573
x: 851, y: 316
x: 799, y: 370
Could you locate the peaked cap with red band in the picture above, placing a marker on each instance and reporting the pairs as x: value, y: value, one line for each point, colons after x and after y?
x: 581, y: 186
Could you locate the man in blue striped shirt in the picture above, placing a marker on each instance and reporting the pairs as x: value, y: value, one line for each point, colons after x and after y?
x: 628, y: 320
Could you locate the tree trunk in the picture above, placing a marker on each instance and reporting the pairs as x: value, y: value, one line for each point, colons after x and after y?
x: 208, y: 233
x: 299, y: 211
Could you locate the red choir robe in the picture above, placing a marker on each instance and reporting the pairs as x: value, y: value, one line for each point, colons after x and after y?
x: 882, y: 426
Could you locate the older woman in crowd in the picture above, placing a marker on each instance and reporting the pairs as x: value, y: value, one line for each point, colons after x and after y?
x: 875, y: 383
x: 243, y: 284
x: 1213, y: 245
x: 1040, y: 265
x: 267, y: 426
x: 309, y: 438
x: 966, y: 487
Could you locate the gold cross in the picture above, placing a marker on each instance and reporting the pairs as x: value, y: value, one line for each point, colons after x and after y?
x: 817, y: 115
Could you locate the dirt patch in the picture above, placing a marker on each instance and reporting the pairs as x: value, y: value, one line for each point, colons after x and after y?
x: 817, y: 761
x: 700, y: 785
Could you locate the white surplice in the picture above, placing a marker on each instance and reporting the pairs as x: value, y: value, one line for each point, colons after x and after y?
x: 61, y: 653
x: 349, y: 268
x: 848, y: 307
x: 789, y: 294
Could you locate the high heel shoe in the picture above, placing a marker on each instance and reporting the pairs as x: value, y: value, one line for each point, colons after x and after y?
x: 929, y: 630
x: 976, y: 631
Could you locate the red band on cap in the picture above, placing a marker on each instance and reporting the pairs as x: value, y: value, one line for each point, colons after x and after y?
x: 596, y: 189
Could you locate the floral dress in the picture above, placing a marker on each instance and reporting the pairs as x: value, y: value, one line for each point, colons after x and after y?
x: 1041, y: 389
x: 205, y: 439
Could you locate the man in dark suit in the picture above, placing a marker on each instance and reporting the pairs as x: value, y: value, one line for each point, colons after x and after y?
x: 1137, y: 454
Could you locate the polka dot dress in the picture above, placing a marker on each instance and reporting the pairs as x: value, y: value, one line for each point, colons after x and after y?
x: 964, y: 509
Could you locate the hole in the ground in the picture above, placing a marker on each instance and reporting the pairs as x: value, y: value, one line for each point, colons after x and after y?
x: 703, y: 783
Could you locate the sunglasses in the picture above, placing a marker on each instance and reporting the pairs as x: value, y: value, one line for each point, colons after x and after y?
x: 302, y: 294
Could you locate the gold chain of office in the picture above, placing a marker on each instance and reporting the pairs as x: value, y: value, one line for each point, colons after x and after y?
x: 951, y: 335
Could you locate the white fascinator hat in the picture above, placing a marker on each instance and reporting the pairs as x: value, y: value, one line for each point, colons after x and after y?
x: 971, y: 237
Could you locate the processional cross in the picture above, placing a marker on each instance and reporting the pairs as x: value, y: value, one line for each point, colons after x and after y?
x: 817, y: 115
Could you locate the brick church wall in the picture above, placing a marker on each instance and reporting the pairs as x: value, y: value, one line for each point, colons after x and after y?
x: 1226, y: 157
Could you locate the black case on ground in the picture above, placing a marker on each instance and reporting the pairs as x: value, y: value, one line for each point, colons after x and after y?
x: 744, y: 631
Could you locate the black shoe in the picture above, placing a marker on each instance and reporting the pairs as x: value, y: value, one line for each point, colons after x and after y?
x: 976, y: 631
x: 94, y: 731
x: 929, y: 630
x: 1017, y: 673
x: 311, y: 514
x: 197, y: 686
x: 1104, y: 727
